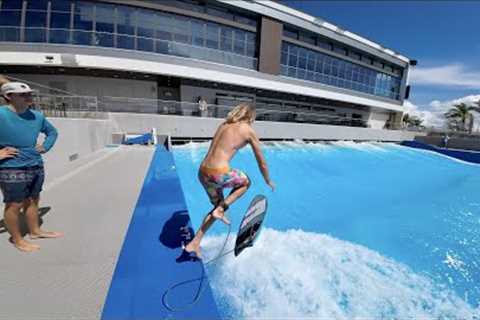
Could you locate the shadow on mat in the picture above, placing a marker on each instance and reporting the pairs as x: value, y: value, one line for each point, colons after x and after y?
x: 176, y: 231
x: 23, y: 223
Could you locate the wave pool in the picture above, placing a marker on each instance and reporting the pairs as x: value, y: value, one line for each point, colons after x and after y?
x: 353, y: 230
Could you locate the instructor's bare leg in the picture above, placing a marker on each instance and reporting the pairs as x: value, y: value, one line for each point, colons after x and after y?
x: 11, y: 216
x: 31, y: 214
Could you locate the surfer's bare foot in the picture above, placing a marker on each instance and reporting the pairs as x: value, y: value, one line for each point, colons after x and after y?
x: 25, y: 246
x: 219, y: 214
x: 45, y: 235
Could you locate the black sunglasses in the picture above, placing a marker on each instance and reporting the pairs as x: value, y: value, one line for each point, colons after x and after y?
x: 25, y: 94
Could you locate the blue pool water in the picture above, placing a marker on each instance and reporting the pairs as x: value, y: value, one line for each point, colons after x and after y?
x: 353, y: 230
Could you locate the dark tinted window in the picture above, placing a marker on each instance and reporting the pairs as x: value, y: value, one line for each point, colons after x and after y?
x: 61, y: 5
x: 37, y: 5
x: 12, y: 4
x: 83, y: 19
x: 10, y: 17
x: 290, y: 33
x: 105, y: 18
x: 60, y: 20
x: 126, y: 20
x: 36, y: 19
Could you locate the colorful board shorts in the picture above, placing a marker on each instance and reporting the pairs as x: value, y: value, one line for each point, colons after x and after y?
x: 18, y: 184
x: 214, y: 180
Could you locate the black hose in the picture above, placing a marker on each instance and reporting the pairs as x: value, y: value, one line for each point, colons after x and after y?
x: 197, y: 295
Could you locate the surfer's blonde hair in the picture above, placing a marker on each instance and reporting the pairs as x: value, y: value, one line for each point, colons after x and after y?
x: 3, y: 80
x: 245, y: 111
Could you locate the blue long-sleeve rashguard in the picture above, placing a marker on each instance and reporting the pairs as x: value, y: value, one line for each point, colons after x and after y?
x: 21, y: 131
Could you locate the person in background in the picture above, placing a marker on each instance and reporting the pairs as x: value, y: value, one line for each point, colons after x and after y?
x: 203, y: 107
x: 215, y: 173
x: 21, y: 164
x: 445, y: 140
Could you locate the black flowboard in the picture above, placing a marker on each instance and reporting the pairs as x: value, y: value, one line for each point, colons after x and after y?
x: 251, y: 224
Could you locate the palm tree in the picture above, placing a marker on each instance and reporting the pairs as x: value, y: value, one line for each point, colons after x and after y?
x: 416, y: 121
x: 412, y: 121
x: 406, y: 119
x: 460, y: 114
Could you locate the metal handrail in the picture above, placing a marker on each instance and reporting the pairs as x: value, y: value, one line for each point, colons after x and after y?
x: 145, y: 105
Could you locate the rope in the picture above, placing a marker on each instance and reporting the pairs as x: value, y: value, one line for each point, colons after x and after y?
x: 197, y: 295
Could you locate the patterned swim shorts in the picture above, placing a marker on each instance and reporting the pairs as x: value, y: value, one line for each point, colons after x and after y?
x: 18, y: 184
x: 214, y: 180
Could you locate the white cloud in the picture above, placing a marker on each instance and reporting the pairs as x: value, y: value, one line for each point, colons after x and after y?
x: 430, y: 118
x: 450, y: 75
x: 433, y: 113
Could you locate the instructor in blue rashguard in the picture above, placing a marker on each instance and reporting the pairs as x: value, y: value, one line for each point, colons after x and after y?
x: 21, y: 165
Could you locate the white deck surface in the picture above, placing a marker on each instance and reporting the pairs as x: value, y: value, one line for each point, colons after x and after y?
x: 69, y: 277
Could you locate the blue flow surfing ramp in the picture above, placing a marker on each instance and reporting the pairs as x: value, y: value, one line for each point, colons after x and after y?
x: 149, y: 261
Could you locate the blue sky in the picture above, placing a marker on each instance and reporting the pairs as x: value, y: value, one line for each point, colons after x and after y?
x: 444, y: 36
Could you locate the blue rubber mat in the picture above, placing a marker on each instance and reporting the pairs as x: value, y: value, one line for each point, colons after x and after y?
x: 147, y: 264
x: 465, y: 155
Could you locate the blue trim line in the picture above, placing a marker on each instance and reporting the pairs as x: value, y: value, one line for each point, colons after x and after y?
x: 465, y: 155
x: 147, y: 264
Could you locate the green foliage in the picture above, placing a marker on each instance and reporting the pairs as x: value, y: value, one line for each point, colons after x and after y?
x: 460, y: 117
x: 411, y: 121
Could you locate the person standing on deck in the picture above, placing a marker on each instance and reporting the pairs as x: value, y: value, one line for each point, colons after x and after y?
x: 21, y: 164
x: 215, y: 173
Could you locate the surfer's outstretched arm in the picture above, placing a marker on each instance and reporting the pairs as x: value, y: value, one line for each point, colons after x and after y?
x: 262, y: 164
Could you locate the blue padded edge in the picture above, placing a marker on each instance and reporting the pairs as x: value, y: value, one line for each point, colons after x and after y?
x: 465, y: 155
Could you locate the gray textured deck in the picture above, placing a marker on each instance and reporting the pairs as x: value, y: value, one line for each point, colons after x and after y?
x: 69, y: 278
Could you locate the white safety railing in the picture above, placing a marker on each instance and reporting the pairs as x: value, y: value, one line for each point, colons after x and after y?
x: 182, y: 108
x: 66, y: 106
x: 88, y: 106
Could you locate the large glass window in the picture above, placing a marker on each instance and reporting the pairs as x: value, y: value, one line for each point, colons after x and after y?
x: 36, y: 21
x: 212, y: 35
x: 126, y: 22
x: 226, y: 40
x: 83, y: 23
x: 37, y: 5
x: 61, y: 5
x: 60, y: 20
x: 146, y: 23
x: 35, y: 24
x: 219, y: 12
x: 239, y: 46
x: 105, y: 18
x: 165, y: 27
x: 251, y: 44
x: 290, y: 33
x: 302, y: 63
x: 192, y: 5
x: 211, y: 9
x: 198, y: 33
x: 10, y: 19
x: 104, y: 25
x: 92, y: 23
x: 60, y: 17
x: 12, y: 4
x: 146, y: 26
x: 181, y: 30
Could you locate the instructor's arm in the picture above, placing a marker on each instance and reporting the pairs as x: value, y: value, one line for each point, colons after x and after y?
x: 262, y: 164
x: 51, y: 135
